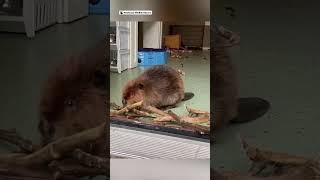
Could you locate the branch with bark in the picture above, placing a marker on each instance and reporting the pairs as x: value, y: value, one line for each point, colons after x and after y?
x: 269, y: 165
x: 60, y: 159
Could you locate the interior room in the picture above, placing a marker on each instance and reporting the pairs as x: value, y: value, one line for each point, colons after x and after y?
x: 186, y: 48
x: 147, y: 131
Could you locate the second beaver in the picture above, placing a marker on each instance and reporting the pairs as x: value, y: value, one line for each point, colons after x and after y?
x: 159, y: 86
x: 74, y: 98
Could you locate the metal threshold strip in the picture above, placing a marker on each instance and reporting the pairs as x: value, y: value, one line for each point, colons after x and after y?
x: 138, y: 143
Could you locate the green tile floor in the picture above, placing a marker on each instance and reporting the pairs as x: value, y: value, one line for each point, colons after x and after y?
x: 25, y: 64
x: 196, y: 66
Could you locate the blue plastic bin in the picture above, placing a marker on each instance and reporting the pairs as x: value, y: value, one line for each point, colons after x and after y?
x: 99, y: 7
x: 149, y: 57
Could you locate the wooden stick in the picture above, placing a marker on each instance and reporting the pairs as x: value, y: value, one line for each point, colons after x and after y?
x: 258, y: 155
x: 296, y: 168
x: 196, y: 111
x: 142, y: 113
x: 181, y: 121
x: 156, y: 111
x: 132, y: 116
x: 174, y: 116
x: 188, y: 119
x: 195, y: 119
x: 55, y: 150
x: 163, y: 119
x: 90, y: 160
x: 127, y: 108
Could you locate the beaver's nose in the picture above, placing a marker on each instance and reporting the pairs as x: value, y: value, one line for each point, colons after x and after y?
x: 124, y: 102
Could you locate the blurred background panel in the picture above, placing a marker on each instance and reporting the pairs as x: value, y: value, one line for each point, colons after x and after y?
x: 160, y: 169
x: 162, y: 10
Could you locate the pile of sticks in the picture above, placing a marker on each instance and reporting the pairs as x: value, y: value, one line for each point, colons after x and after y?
x: 60, y: 159
x: 268, y: 165
x: 196, y: 119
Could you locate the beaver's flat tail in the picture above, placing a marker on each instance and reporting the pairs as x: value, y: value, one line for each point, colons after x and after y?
x: 187, y: 96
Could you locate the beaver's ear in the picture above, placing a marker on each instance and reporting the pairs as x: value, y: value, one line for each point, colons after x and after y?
x: 140, y: 86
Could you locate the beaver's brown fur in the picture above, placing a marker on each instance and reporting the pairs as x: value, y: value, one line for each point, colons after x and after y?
x: 75, y: 95
x: 158, y: 86
x: 225, y: 86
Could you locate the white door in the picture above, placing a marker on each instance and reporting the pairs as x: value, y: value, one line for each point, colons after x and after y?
x: 123, y: 46
x: 133, y: 62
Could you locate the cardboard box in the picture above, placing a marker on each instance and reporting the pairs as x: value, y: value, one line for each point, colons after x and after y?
x: 172, y: 41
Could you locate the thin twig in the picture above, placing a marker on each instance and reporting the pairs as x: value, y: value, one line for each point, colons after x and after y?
x: 156, y: 110
x: 127, y: 108
x: 174, y: 116
x: 196, y: 111
x: 195, y: 119
x: 258, y: 155
x: 163, y: 119
x: 142, y: 113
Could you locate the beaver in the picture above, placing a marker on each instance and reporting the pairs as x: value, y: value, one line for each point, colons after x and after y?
x: 160, y: 86
x: 74, y: 97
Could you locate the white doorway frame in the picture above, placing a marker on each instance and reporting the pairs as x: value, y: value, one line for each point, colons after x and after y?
x: 133, y: 43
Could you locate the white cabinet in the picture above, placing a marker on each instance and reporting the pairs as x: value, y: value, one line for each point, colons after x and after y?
x: 39, y: 14
x: 121, y: 48
x: 36, y: 15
